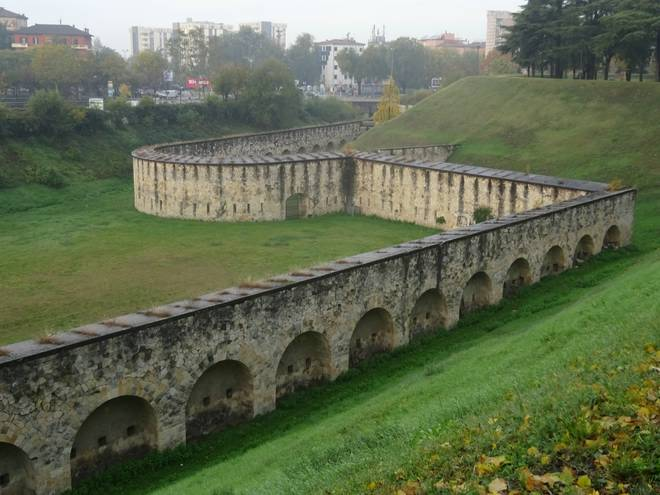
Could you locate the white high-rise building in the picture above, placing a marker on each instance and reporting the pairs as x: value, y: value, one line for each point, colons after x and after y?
x: 498, y: 21
x: 331, y: 75
x: 210, y: 29
x: 147, y: 38
x: 271, y: 30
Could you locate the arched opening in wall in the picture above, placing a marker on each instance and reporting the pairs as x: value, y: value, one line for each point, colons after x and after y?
x: 316, y: 148
x: 612, y: 239
x: 302, y: 150
x: 518, y: 275
x: 305, y: 362
x: 584, y: 250
x: 296, y: 206
x: 221, y: 397
x: 120, y: 429
x: 554, y: 262
x: 373, y: 334
x: 342, y: 143
x: 268, y: 153
x: 477, y: 293
x: 429, y: 314
x: 16, y: 475
x: 286, y: 151
x: 330, y: 146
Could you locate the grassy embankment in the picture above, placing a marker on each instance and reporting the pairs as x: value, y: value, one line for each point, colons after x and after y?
x: 579, y: 129
x: 101, y: 155
x: 554, y: 391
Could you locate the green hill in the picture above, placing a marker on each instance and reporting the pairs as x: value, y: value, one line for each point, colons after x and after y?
x: 580, y: 129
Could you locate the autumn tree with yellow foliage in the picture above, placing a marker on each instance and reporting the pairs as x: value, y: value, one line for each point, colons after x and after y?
x: 388, y: 108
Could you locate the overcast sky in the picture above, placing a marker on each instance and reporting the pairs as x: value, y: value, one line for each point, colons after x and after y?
x: 110, y: 20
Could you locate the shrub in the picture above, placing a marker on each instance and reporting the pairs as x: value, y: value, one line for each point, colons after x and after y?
x: 53, y: 178
x: 119, y: 110
x: 93, y: 121
x: 51, y: 113
x: 482, y: 214
x: 329, y: 109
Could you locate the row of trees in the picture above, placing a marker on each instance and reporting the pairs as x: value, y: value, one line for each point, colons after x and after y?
x: 585, y: 36
x: 411, y: 64
x: 61, y: 68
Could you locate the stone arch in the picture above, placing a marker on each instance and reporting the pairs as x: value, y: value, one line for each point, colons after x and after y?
x: 221, y: 397
x: 302, y: 149
x: 373, y: 334
x: 518, y: 275
x: 286, y: 151
x: 305, y: 362
x: 316, y: 148
x: 584, y: 250
x: 612, y: 239
x: 429, y: 314
x: 554, y: 262
x: 295, y: 206
x: 119, y: 429
x: 16, y: 473
x: 330, y: 146
x: 477, y: 293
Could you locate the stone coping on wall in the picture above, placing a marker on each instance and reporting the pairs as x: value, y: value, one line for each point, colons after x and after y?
x: 115, y: 327
x: 233, y: 137
x: 489, y: 173
x: 149, y: 153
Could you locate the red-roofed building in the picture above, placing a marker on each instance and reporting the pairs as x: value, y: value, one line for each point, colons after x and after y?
x: 52, y: 34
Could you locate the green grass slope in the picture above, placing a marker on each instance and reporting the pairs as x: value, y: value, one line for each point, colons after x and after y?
x: 83, y: 253
x: 362, y: 432
x: 580, y: 129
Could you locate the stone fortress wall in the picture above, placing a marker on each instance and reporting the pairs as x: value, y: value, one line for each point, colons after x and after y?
x: 75, y: 403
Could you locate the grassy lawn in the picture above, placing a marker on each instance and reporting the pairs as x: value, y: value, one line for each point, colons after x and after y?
x: 377, y: 427
x: 82, y: 254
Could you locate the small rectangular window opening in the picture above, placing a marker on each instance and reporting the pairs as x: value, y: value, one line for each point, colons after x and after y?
x: 102, y: 441
x: 308, y: 364
x: 130, y: 431
x: 4, y: 479
x: 374, y: 336
x: 289, y: 369
x: 206, y: 401
x: 229, y: 393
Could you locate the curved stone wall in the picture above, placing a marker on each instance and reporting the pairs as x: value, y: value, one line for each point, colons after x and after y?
x: 78, y: 401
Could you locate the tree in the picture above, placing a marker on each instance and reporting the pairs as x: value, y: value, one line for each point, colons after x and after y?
x: 245, y: 47
x: 5, y: 38
x: 103, y: 65
x: 585, y: 36
x: 409, y: 63
x: 231, y: 80
x: 349, y: 62
x: 147, y: 69
x: 304, y: 60
x: 56, y: 67
x: 15, y: 69
x: 389, y: 106
x: 499, y: 64
x: 271, y: 96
